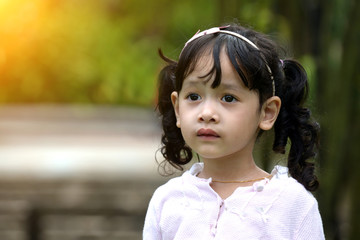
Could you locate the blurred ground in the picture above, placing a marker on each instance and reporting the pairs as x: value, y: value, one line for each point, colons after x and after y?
x: 76, y: 172
x: 54, y: 141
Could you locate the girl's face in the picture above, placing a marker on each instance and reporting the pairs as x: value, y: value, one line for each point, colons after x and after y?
x: 218, y: 122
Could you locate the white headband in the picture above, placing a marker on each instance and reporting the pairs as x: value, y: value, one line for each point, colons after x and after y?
x: 219, y: 30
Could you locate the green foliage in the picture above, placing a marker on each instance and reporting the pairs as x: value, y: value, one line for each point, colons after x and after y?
x: 78, y: 51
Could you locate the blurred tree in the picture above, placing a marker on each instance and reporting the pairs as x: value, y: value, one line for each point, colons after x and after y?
x: 343, y: 121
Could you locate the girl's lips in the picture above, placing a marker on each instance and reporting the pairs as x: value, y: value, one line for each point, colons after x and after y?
x: 203, y: 132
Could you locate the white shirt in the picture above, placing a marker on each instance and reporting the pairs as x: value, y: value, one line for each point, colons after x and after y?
x: 187, y: 207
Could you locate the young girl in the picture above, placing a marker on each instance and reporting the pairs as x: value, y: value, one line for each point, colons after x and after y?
x: 229, y: 86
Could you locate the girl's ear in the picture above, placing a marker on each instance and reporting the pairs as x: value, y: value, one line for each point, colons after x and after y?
x: 175, y: 103
x: 269, y: 112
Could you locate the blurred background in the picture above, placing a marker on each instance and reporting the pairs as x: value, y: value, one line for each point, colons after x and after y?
x: 78, y: 130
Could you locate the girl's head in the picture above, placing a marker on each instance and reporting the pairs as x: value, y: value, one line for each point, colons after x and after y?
x: 255, y: 60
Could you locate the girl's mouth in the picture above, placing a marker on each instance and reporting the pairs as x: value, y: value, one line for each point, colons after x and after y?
x: 207, y: 133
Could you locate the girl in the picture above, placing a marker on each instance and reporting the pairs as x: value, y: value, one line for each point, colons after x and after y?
x: 229, y: 86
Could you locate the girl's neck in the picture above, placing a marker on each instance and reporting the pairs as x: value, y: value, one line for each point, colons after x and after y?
x: 231, y: 169
x: 243, y: 169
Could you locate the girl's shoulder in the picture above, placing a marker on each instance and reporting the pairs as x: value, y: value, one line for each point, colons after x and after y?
x: 168, y: 190
x: 289, y: 190
x: 177, y: 187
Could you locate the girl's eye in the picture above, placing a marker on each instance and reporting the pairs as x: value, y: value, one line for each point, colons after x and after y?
x: 228, y: 98
x: 193, y: 97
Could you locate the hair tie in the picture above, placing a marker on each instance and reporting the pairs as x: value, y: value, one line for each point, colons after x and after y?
x: 282, y: 63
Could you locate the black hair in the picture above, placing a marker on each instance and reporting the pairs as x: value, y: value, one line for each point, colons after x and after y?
x: 294, y: 121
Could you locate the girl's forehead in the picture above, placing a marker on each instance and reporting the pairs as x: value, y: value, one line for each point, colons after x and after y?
x: 203, y: 71
x: 204, y: 65
x: 203, y: 62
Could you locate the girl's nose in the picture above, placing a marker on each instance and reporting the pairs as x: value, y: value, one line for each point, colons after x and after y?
x: 208, y: 114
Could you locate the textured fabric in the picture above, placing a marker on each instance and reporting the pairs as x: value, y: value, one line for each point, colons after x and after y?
x: 187, y: 207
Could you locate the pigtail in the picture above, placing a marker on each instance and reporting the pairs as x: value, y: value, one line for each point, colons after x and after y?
x: 173, y: 147
x: 294, y: 122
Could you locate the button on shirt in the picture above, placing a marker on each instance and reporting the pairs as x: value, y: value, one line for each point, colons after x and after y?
x: 187, y: 207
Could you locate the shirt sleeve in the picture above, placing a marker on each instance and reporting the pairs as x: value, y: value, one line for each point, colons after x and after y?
x: 151, y: 229
x: 311, y: 227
